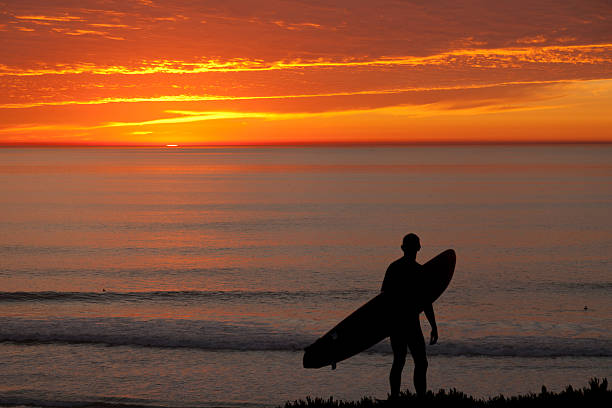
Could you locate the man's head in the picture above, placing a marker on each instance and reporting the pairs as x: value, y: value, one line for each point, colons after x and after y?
x: 411, y: 245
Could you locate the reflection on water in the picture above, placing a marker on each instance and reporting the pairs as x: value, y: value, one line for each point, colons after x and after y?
x: 284, y: 242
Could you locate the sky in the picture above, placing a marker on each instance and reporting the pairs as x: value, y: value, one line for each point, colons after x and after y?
x: 152, y: 72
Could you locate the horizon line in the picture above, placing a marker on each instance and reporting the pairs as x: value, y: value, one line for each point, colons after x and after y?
x: 307, y: 144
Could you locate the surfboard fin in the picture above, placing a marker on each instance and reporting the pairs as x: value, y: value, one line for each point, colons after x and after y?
x: 333, y: 364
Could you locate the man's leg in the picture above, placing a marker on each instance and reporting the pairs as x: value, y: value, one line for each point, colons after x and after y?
x: 399, y: 347
x: 416, y: 343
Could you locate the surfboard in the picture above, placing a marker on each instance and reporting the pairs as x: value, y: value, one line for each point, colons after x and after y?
x: 370, y: 323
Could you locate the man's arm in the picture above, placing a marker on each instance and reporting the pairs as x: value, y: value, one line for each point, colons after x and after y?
x: 429, y: 313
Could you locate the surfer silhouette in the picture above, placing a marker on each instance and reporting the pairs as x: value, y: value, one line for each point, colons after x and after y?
x: 403, y: 285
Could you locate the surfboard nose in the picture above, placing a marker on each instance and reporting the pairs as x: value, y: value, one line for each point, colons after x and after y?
x: 315, y: 355
x: 452, y: 257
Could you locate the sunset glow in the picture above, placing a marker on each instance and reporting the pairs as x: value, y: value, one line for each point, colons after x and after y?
x: 278, y: 72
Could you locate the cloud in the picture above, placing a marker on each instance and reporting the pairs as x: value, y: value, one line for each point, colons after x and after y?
x: 188, y: 117
x: 106, y: 12
x: 498, y: 98
x: 475, y: 57
x: 285, y: 58
x: 107, y: 25
x: 538, y: 39
x: 296, y: 26
x: 230, y: 98
x: 85, y: 32
x: 66, y: 18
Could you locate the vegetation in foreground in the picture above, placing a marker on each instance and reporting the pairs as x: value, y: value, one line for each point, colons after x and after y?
x: 596, y: 395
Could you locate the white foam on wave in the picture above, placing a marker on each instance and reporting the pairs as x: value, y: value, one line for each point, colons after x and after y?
x: 122, y: 331
x: 215, y: 335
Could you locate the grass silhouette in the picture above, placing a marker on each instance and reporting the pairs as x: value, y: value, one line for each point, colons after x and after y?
x: 595, y: 395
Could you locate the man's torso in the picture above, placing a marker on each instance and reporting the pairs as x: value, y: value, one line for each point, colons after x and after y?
x: 403, y: 283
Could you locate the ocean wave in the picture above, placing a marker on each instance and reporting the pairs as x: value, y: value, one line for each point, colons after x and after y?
x: 182, y: 295
x: 21, y: 399
x: 172, y: 333
x: 215, y: 335
x: 529, y: 346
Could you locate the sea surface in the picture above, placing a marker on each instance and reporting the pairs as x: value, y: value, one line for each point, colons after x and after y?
x: 181, y: 277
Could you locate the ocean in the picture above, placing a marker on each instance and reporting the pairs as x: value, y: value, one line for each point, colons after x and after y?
x: 181, y: 277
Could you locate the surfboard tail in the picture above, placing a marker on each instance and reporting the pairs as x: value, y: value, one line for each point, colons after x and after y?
x: 315, y: 355
x: 310, y: 361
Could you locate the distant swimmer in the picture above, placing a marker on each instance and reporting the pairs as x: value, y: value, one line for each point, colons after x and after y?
x: 403, y: 282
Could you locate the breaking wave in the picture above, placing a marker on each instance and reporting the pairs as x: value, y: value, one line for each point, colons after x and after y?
x: 215, y: 335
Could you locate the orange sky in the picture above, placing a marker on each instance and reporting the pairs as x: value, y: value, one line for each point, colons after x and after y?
x: 252, y: 72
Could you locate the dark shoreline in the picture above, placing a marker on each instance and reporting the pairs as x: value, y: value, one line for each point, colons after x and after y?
x: 596, y: 394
